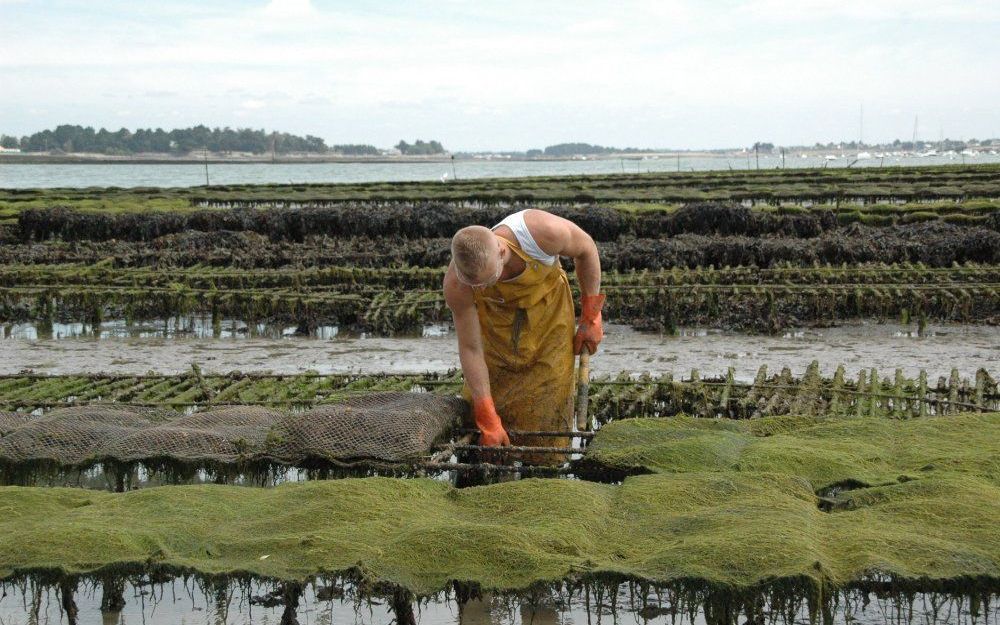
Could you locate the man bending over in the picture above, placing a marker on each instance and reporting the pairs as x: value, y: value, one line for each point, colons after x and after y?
x: 514, y: 317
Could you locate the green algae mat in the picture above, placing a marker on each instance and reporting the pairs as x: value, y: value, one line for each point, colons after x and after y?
x: 827, y: 452
x: 722, y: 508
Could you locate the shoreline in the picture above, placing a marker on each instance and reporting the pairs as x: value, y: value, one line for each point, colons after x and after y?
x: 166, y: 159
x: 792, y: 156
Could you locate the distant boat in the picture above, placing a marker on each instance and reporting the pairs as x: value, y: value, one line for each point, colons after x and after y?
x: 830, y: 157
x: 864, y: 155
x: 928, y: 153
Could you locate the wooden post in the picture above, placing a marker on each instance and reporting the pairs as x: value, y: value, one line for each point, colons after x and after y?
x: 897, y: 399
x: 922, y: 393
x: 726, y: 391
x: 583, y: 421
x: 859, y: 398
x: 981, y: 389
x: 836, y: 391
x: 953, y: 382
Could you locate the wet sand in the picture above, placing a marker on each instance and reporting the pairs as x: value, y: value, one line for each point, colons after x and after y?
x: 858, y: 346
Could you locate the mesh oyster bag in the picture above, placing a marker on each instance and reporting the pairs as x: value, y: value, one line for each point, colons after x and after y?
x: 220, y: 435
x: 70, y: 436
x: 386, y: 426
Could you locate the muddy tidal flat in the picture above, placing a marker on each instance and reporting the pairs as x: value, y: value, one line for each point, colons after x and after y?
x: 116, y: 349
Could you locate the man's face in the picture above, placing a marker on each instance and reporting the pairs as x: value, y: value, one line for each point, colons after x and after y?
x: 491, y: 271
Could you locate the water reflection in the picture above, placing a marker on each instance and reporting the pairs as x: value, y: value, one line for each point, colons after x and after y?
x: 190, y: 327
x: 173, y: 327
x: 137, y: 600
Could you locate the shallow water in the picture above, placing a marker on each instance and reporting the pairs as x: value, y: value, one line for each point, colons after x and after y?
x: 75, y: 348
x: 14, y: 175
x: 177, y: 602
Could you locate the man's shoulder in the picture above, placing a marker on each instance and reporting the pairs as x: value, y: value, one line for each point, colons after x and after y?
x: 548, y: 230
x: 456, y: 293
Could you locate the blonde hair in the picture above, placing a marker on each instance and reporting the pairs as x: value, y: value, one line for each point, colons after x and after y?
x: 472, y: 248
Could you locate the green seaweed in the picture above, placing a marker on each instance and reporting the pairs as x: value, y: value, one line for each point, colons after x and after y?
x: 730, y: 529
x: 824, y: 451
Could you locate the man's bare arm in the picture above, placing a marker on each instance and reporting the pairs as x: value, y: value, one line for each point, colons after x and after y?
x: 562, y: 237
x: 470, y: 341
x: 470, y: 353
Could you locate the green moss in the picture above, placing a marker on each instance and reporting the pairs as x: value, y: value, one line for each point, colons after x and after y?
x: 645, y: 207
x: 727, y: 508
x: 792, y: 209
x: 848, y: 217
x: 918, y: 216
x: 826, y: 452
x: 875, y: 220
x: 962, y: 219
x: 105, y: 203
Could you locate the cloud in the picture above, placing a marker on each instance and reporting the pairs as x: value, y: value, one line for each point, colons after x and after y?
x: 870, y: 10
x: 288, y: 9
x: 589, y: 27
x: 507, y: 73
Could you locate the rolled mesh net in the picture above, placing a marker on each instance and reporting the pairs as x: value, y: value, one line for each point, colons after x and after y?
x: 221, y: 435
x: 384, y: 426
x: 70, y: 436
x: 391, y: 427
x: 10, y: 421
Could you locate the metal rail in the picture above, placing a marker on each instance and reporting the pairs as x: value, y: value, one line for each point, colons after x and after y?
x: 516, y: 449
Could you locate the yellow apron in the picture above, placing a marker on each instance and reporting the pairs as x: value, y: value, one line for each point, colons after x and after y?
x: 527, y: 326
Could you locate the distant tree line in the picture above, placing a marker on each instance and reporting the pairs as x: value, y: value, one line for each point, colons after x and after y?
x: 69, y: 138
x: 356, y: 149
x: 420, y: 148
x: 579, y: 149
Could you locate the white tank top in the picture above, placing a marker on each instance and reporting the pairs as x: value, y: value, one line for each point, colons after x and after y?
x: 527, y: 242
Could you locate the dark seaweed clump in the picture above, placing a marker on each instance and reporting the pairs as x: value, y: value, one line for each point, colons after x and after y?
x: 431, y: 220
x: 936, y: 244
x: 291, y: 224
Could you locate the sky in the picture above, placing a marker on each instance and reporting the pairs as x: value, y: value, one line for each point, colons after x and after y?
x: 510, y: 74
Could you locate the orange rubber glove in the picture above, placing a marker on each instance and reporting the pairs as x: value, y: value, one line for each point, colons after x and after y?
x: 488, y: 421
x: 590, y: 331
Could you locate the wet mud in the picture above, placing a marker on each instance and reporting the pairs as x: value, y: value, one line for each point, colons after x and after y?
x: 75, y: 348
